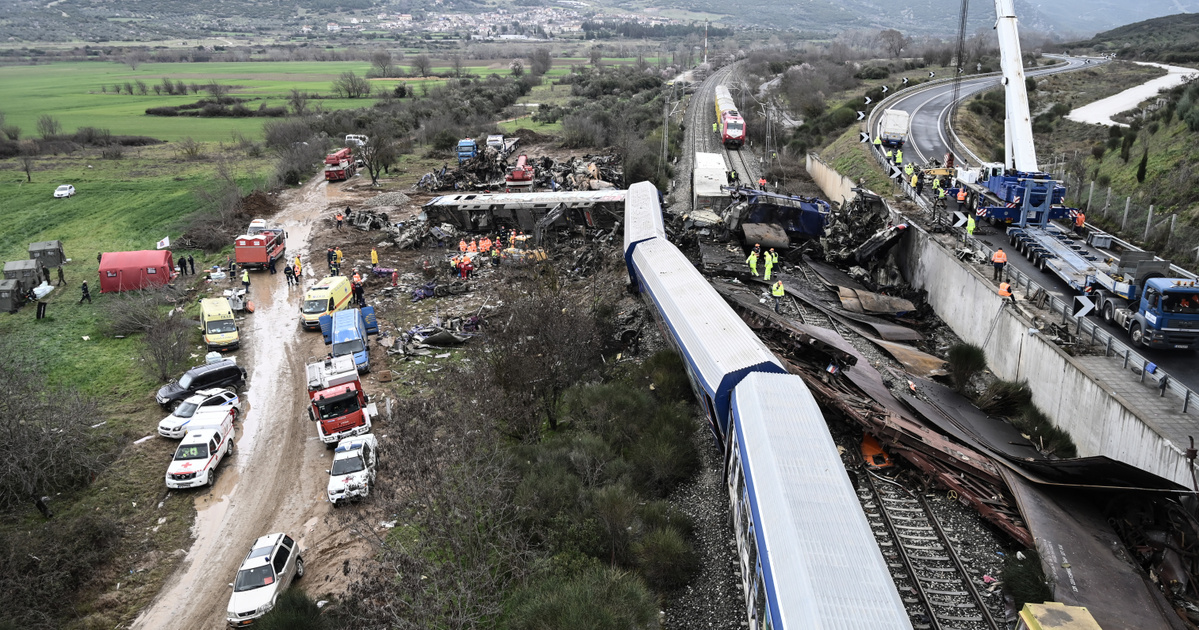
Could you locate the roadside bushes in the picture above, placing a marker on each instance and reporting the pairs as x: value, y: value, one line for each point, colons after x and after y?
x: 225, y: 107
x: 1014, y: 402
x: 965, y: 360
x: 294, y: 610
x: 595, y: 598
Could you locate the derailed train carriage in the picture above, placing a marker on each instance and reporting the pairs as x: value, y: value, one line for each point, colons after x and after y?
x: 807, y: 555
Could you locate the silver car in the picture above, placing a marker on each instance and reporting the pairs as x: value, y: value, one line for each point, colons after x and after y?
x: 273, y: 562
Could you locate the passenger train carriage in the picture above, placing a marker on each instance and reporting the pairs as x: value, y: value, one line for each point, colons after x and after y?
x: 808, y: 558
x: 730, y: 124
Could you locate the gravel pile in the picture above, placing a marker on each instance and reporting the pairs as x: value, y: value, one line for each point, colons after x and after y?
x: 388, y: 199
x: 713, y: 599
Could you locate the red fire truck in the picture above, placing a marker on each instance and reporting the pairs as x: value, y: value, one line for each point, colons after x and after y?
x: 259, y: 245
x: 339, y: 165
x: 338, y: 404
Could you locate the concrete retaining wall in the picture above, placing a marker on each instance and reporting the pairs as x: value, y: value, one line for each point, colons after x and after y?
x: 1100, y: 421
x: 837, y: 188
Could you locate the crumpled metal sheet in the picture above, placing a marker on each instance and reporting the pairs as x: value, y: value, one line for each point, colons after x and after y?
x: 767, y: 234
x: 863, y: 301
x: 917, y: 362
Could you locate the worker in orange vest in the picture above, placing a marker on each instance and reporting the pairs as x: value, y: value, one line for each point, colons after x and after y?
x: 462, y: 245
x: 1005, y: 291
x: 999, y: 261
x: 356, y: 277
x: 962, y: 195
x: 472, y: 246
x: 1080, y: 220
x: 761, y: 183
x: 485, y: 244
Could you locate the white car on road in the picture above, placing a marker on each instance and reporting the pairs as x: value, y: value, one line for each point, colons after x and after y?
x: 353, y: 471
x: 273, y: 562
x: 196, y: 460
x: 66, y: 190
x: 180, y: 422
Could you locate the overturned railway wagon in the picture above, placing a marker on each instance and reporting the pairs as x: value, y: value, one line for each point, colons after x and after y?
x: 474, y: 212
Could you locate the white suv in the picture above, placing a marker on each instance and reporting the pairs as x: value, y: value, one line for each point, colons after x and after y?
x: 353, y: 471
x: 198, y: 455
x: 273, y: 562
x: 180, y: 421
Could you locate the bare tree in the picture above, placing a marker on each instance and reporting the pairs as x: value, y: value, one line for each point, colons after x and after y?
x: 189, y: 149
x: 382, y: 64
x: 595, y: 55
x: 379, y: 152
x: 47, y: 429
x: 216, y: 90
x: 48, y: 126
x: 422, y: 65
x: 134, y: 58
x: 141, y: 87
x: 350, y: 85
x: 166, y: 346
x: 540, y: 61
x: 129, y: 88
x: 456, y: 64
x: 167, y: 86
x: 12, y: 132
x: 298, y: 101
x: 893, y: 41
x: 29, y: 151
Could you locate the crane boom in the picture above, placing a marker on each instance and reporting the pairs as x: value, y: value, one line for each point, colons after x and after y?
x: 1019, y: 151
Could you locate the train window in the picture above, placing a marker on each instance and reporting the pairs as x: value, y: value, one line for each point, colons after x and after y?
x: 760, y: 612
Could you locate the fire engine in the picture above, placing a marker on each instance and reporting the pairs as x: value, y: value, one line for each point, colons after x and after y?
x: 259, y: 245
x: 338, y: 404
x: 339, y: 165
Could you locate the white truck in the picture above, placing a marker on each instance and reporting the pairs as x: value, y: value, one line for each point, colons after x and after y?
x: 893, y: 127
x: 709, y: 175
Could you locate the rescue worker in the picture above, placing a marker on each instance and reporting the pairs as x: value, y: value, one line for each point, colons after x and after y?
x: 1079, y: 221
x: 762, y: 183
x: 878, y: 142
x: 86, y: 294
x: 374, y: 258
x: 1005, y: 291
x: 339, y: 217
x: 908, y: 169
x: 713, y: 127
x: 890, y: 155
x: 899, y: 157
x: 472, y: 246
x: 468, y: 266
x: 337, y: 253
x: 462, y: 245
x: 758, y: 248
x: 940, y: 197
x: 245, y: 278
x: 495, y: 257
x: 919, y: 184
x: 61, y: 279
x: 191, y: 262
x: 777, y: 292
x: 736, y: 177
x: 290, y: 274
x: 970, y: 225
x: 768, y: 260
x: 299, y: 268
x: 999, y: 261
x: 753, y: 262
x: 270, y: 265
x: 912, y: 181
x: 395, y: 277
x: 485, y: 244
x: 335, y: 270
x: 330, y: 257
x: 356, y: 277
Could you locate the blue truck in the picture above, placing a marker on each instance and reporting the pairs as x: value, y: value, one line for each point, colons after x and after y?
x: 467, y: 149
x: 347, y: 332
x: 1156, y: 311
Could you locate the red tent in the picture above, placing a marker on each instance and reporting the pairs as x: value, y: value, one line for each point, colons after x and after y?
x: 130, y: 271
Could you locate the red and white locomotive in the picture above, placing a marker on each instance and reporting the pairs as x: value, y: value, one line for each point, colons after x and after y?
x: 729, y: 121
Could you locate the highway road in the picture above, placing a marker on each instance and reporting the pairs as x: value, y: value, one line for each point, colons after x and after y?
x: 927, y: 138
x: 930, y: 108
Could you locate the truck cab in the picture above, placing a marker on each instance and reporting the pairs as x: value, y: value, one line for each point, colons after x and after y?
x: 496, y: 141
x: 1168, y: 316
x: 347, y: 332
x: 467, y: 149
x: 337, y: 402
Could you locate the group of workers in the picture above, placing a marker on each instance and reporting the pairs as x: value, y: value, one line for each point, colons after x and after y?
x: 769, y: 259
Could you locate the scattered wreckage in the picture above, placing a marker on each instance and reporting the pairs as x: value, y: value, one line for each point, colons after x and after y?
x: 491, y: 170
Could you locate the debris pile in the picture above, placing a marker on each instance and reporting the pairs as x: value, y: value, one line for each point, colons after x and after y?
x: 487, y: 172
x: 859, y: 236
x: 388, y: 199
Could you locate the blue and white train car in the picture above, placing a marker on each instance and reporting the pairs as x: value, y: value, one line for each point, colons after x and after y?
x: 808, y: 557
x: 718, y: 349
x: 643, y: 220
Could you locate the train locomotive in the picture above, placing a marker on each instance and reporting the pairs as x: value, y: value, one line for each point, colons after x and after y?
x: 807, y: 555
x: 729, y: 121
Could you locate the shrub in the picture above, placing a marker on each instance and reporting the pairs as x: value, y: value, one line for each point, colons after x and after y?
x: 664, y: 456
x: 1104, y: 180
x: 873, y: 72
x: 597, y: 599
x: 665, y: 558
x: 1004, y: 398
x: 965, y: 361
x: 667, y: 376
x: 1043, y: 433
x: 1098, y: 150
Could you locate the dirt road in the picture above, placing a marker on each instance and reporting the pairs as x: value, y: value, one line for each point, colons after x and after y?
x: 276, y: 479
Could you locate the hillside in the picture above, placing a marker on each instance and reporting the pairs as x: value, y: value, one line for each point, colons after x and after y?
x: 1172, y: 39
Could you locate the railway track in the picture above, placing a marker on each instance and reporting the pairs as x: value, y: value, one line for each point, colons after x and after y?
x: 920, y: 551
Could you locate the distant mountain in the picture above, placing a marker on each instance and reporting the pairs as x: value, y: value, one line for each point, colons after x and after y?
x: 1174, y: 39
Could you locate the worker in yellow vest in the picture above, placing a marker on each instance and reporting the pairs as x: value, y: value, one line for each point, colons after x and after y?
x: 768, y: 260
x: 777, y: 292
x: 374, y: 257
x: 753, y: 263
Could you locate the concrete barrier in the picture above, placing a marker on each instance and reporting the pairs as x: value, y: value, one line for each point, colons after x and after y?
x: 1100, y: 421
x: 837, y: 187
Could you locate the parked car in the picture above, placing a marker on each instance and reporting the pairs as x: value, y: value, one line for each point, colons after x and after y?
x: 201, y: 451
x: 225, y: 373
x: 178, y: 423
x: 353, y: 471
x: 273, y: 562
x: 66, y: 190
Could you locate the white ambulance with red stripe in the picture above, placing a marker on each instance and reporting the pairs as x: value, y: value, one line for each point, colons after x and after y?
x: 201, y: 451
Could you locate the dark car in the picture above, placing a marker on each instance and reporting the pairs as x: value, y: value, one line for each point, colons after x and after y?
x: 225, y: 373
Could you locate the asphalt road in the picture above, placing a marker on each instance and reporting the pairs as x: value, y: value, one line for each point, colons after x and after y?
x: 929, y: 110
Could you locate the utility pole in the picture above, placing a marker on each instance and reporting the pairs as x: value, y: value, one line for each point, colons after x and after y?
x: 705, y: 42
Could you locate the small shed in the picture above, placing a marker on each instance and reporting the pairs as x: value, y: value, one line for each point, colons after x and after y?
x: 10, y: 296
x: 25, y: 272
x: 48, y: 253
x: 130, y: 271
